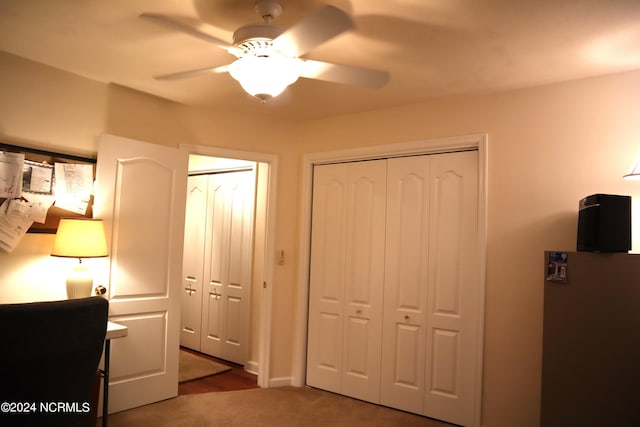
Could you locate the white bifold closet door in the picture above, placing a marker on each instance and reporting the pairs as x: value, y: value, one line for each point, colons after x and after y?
x: 421, y: 281
x: 217, y: 264
x: 347, y: 273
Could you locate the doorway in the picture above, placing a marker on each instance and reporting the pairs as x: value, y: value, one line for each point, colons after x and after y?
x: 217, y: 263
x: 262, y: 168
x: 477, y: 143
x: 143, y: 187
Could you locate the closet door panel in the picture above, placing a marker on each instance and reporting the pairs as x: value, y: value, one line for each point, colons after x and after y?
x: 237, y: 289
x: 406, y: 278
x: 327, y: 278
x: 364, y: 279
x: 192, y: 262
x: 216, y: 252
x: 228, y: 265
x: 211, y: 324
x: 346, y: 276
x: 328, y: 355
x: 233, y: 334
x: 216, y: 257
x: 453, y: 298
x: 445, y: 344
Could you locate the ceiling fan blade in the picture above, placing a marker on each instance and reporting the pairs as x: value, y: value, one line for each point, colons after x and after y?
x: 345, y: 74
x: 318, y: 28
x: 193, y: 73
x: 180, y: 26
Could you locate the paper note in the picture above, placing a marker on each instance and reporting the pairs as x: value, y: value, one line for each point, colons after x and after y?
x: 11, y: 174
x: 12, y: 228
x: 37, y: 177
x: 74, y: 186
x: 34, y: 207
x: 74, y: 179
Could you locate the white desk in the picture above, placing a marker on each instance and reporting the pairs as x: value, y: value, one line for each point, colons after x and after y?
x: 114, y: 331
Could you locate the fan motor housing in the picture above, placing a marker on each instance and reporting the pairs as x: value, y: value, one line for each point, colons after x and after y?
x: 256, y: 32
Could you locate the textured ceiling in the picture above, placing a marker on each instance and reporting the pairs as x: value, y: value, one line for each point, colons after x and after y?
x: 431, y: 48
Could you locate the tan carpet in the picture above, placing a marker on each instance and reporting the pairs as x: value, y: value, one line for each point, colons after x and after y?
x: 193, y: 367
x: 278, y: 407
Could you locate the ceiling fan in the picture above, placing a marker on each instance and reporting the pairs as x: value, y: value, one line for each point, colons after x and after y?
x: 269, y: 57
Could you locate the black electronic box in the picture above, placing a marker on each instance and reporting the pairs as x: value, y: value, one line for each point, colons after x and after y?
x: 604, y: 223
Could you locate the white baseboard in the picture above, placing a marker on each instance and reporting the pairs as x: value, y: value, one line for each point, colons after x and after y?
x: 252, y: 367
x: 280, y: 382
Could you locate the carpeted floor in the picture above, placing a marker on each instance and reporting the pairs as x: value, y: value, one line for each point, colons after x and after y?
x: 278, y: 407
x: 193, y: 367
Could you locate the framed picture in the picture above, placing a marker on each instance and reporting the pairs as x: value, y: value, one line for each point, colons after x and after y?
x: 62, y: 183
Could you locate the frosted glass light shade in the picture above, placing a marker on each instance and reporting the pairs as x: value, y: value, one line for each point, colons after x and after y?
x: 80, y: 238
x: 265, y: 77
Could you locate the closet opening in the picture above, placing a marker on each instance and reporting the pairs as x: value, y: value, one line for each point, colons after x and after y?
x: 224, y: 259
x: 391, y: 289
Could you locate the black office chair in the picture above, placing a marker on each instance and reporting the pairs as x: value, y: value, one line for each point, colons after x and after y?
x: 49, y: 357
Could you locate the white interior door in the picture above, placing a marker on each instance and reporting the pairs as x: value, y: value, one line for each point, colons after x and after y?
x: 227, y: 266
x: 454, y: 290
x: 406, y: 280
x: 422, y: 260
x: 364, y: 278
x: 347, y: 273
x: 431, y: 285
x: 193, y: 262
x: 326, y: 277
x: 140, y: 195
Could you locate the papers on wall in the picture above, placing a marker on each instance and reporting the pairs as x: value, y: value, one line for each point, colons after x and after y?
x: 29, y: 188
x: 11, y: 165
x: 12, y: 227
x: 74, y: 186
x: 34, y: 208
x: 37, y: 177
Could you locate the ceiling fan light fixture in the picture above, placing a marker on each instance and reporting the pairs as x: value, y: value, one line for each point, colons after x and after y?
x: 270, y: 57
x: 265, y: 77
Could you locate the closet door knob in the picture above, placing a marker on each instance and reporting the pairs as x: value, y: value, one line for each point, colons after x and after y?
x: 358, y: 313
x: 407, y: 317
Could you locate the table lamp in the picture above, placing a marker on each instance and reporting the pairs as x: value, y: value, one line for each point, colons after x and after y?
x: 80, y: 238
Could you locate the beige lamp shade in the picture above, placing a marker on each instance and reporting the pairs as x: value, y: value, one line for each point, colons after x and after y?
x: 80, y: 238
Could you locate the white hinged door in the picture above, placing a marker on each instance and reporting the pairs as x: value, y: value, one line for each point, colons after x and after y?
x: 140, y: 194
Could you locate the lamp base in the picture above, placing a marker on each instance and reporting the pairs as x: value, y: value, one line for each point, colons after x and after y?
x: 79, y: 283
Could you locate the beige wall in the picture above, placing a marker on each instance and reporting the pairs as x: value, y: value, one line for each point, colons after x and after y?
x: 548, y: 147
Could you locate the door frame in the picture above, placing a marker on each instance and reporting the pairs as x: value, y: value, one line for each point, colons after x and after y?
x: 266, y: 249
x: 432, y: 146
